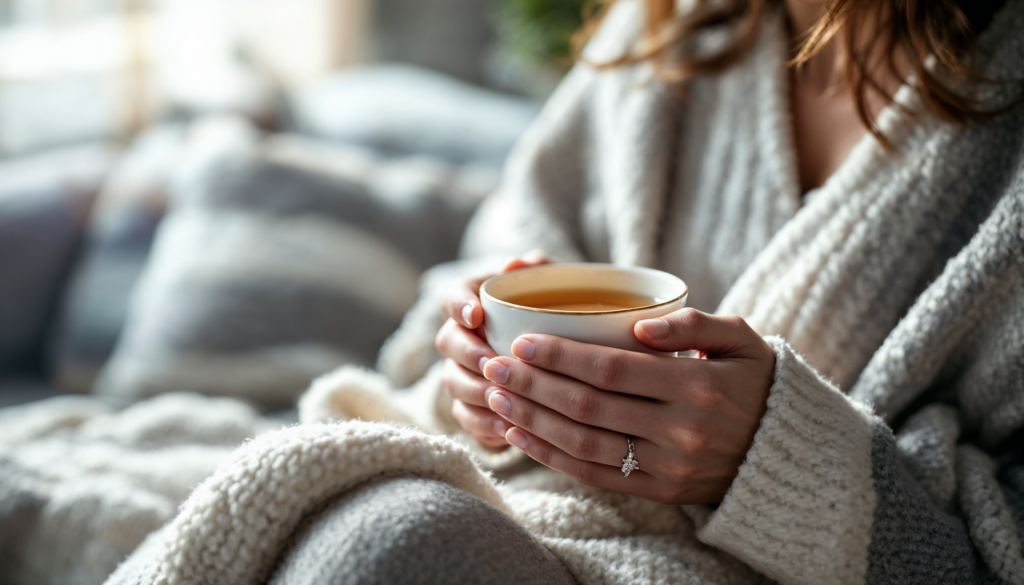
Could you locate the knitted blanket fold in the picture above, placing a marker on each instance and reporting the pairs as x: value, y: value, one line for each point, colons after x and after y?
x: 81, y: 485
x: 235, y: 524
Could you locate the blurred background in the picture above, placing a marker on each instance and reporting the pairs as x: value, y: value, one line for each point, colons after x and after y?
x: 234, y: 196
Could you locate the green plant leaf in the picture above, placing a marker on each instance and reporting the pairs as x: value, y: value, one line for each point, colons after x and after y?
x: 540, y: 30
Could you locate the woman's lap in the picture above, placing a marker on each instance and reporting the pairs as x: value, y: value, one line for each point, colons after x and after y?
x: 409, y: 530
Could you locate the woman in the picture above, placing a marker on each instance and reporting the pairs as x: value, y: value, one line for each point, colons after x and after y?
x: 845, y: 176
x: 856, y: 413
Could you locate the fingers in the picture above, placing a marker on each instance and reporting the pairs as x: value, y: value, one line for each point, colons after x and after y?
x: 485, y: 426
x: 686, y: 329
x: 576, y: 400
x: 462, y: 304
x: 603, y: 476
x: 462, y: 384
x: 469, y: 408
x: 608, y: 368
x: 456, y: 342
x: 580, y: 441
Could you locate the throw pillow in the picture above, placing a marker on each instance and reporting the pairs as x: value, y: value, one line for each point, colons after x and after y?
x: 130, y: 207
x: 283, y: 260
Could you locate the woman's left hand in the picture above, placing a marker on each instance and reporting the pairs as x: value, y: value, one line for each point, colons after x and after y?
x: 573, y: 404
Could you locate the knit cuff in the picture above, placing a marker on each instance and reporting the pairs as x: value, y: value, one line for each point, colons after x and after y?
x: 800, y: 509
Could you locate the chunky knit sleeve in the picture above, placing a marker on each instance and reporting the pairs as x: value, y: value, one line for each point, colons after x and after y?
x: 828, y: 494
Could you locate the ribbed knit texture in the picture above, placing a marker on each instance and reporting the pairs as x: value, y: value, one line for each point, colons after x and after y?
x: 233, y: 527
x: 799, y: 509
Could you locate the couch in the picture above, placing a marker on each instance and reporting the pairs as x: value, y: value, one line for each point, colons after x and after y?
x: 202, y: 248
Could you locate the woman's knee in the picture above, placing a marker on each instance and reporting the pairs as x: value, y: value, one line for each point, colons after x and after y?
x: 409, y: 530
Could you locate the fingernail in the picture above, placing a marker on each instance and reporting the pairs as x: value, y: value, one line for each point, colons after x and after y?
x: 523, y: 349
x: 483, y: 363
x: 496, y: 372
x: 516, y: 437
x: 467, y: 314
x: 655, y: 328
x: 499, y: 404
x: 501, y: 427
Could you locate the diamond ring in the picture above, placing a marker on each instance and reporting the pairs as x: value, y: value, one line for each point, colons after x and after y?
x: 629, y: 462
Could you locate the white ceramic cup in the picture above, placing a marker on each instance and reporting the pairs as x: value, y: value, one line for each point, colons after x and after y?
x: 504, y: 321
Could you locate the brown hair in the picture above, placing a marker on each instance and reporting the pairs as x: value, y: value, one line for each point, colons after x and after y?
x: 943, y: 28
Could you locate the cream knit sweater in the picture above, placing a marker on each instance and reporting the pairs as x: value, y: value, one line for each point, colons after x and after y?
x: 891, y: 450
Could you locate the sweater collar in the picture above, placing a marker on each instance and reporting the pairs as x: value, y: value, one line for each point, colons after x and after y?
x: 648, y: 118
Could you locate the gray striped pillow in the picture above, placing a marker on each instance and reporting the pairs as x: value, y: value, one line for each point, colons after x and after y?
x: 283, y: 261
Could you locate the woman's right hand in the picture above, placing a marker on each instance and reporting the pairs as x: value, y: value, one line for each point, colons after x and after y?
x: 465, y: 352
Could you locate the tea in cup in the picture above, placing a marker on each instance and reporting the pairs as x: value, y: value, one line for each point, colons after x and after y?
x: 590, y: 303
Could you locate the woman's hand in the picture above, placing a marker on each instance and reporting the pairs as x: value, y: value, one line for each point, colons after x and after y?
x: 571, y: 405
x: 465, y: 352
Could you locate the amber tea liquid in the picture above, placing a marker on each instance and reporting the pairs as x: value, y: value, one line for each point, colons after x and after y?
x: 585, y: 300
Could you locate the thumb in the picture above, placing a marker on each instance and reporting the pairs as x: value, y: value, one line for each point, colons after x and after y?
x: 712, y: 335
